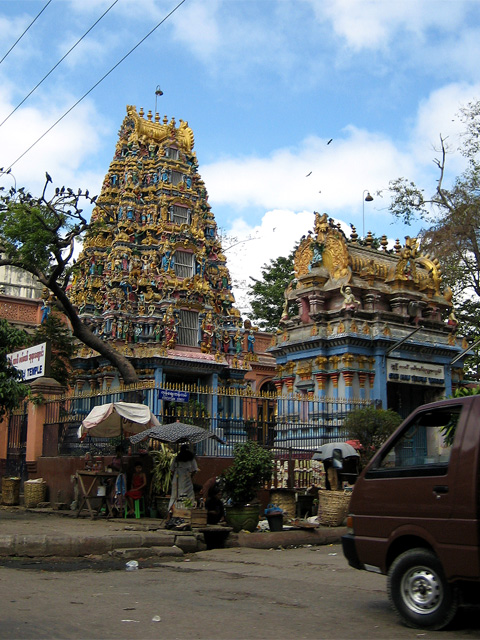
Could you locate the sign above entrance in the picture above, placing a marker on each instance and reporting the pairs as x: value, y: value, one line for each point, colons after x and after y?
x: 173, y: 396
x: 33, y: 362
x: 409, y: 372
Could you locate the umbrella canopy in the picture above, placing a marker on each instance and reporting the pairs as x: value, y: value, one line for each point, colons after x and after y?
x: 115, y: 418
x: 176, y: 432
x: 326, y: 451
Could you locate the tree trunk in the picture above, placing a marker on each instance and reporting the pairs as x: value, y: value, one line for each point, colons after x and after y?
x: 83, y: 333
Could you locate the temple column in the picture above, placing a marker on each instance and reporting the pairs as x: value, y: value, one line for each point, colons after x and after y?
x: 362, y: 378
x: 348, y: 379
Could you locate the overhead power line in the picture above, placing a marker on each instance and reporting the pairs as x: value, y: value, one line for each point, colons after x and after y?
x: 18, y: 39
x: 97, y: 83
x: 59, y: 62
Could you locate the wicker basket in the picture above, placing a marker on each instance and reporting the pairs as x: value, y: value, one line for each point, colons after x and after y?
x: 333, y: 507
x: 285, y: 500
x: 34, y: 492
x: 10, y: 491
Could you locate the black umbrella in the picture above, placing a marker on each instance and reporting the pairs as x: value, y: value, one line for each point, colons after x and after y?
x: 176, y: 432
x: 334, y: 449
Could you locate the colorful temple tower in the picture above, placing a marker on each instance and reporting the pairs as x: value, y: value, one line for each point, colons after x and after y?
x: 152, y: 278
x: 365, y: 323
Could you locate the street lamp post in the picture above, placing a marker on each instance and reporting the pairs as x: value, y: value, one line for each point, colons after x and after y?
x: 367, y: 198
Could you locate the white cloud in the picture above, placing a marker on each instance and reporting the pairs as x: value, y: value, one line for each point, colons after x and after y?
x: 196, y: 26
x: 62, y: 152
x: 437, y: 115
x: 373, y: 24
x: 256, y: 245
x: 313, y: 175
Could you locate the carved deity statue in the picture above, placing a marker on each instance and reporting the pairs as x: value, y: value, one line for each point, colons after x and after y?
x: 349, y: 300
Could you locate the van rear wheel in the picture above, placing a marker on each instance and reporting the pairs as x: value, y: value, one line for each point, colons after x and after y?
x: 419, y: 592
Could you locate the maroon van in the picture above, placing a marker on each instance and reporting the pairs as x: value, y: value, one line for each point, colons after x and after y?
x: 415, y: 513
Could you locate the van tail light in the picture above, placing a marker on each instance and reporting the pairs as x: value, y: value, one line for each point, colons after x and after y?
x: 350, y: 524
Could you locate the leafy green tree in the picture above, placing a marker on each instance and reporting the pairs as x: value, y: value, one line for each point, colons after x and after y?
x: 267, y: 296
x: 371, y: 427
x: 12, y: 390
x: 451, y: 216
x: 39, y: 235
x: 63, y: 347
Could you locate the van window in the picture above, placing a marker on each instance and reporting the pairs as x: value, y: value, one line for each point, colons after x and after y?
x: 423, y: 447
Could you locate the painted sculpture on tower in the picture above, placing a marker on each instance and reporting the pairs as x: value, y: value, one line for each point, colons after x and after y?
x: 152, y: 270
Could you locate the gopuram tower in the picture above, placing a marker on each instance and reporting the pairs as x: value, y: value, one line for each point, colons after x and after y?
x: 152, y: 278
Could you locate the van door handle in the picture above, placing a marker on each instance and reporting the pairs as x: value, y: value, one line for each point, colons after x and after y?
x: 440, y: 488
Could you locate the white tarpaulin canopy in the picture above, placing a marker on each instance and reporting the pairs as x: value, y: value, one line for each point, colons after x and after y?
x: 117, y: 418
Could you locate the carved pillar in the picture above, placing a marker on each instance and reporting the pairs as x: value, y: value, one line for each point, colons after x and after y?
x: 321, y: 381
x: 399, y: 305
x: 334, y: 379
x: 371, y: 302
x: 348, y: 379
x: 317, y: 303
x: 362, y: 378
x: 278, y: 385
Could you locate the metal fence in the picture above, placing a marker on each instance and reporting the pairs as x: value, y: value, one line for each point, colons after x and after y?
x: 17, y: 444
x: 290, y: 425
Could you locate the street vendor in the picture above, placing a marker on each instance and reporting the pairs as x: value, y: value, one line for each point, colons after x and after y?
x: 184, y: 466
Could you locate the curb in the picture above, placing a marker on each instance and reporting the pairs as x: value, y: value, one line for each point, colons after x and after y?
x: 287, y: 538
x: 40, y: 546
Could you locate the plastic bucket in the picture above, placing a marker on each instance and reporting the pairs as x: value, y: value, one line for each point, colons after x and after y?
x: 275, y: 522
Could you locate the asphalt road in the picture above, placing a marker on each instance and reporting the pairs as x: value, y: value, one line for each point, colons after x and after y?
x: 220, y: 594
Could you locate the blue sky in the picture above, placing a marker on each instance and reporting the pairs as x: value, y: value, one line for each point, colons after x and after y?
x: 264, y: 84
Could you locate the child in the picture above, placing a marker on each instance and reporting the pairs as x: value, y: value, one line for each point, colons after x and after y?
x: 139, y: 482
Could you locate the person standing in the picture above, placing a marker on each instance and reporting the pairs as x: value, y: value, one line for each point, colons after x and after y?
x: 139, y: 483
x: 184, y: 467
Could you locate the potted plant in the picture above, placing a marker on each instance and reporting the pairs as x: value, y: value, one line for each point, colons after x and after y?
x: 161, y: 477
x: 252, y: 467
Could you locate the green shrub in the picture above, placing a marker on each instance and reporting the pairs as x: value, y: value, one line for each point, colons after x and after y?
x: 252, y: 467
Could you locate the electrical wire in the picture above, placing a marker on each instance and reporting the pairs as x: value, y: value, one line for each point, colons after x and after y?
x: 59, y: 62
x: 97, y: 83
x: 18, y: 40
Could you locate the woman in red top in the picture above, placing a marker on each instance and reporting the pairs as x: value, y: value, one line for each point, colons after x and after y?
x: 139, y: 482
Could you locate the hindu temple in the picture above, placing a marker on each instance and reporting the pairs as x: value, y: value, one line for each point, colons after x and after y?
x: 365, y: 322
x: 152, y: 278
